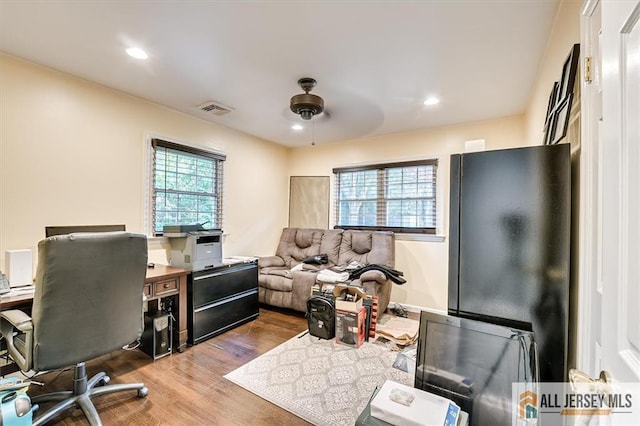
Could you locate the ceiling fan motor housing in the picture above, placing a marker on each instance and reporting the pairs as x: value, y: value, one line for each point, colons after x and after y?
x: 306, y: 104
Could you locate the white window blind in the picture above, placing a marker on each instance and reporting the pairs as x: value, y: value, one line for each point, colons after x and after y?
x: 399, y: 197
x: 187, y: 186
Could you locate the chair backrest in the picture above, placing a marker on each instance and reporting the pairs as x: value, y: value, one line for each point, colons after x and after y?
x: 88, y: 297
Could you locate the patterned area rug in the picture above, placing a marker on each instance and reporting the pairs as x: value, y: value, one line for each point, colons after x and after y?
x: 318, y: 380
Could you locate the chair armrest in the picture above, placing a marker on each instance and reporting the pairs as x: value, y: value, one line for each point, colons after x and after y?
x: 18, y: 319
x: 15, y: 322
x: 267, y: 261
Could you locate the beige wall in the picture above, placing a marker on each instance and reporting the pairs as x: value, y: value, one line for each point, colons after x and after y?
x: 423, y: 263
x: 71, y: 153
x: 565, y: 33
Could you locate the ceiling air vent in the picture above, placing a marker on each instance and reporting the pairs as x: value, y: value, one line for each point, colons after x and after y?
x: 215, y: 108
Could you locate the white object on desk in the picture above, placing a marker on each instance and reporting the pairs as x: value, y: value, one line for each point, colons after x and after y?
x: 423, y: 408
x: 19, y: 267
x: 232, y: 260
x: 19, y: 291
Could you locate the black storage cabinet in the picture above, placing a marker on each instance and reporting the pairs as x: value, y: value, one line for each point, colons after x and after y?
x: 221, y: 298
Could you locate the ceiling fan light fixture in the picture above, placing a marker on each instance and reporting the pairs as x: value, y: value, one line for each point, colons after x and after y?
x: 136, y: 52
x: 306, y: 104
x: 430, y: 101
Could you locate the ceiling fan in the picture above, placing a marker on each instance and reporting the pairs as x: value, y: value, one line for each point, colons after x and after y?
x: 305, y: 104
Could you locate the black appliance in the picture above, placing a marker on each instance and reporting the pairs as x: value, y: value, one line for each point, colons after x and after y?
x: 474, y: 364
x: 509, y: 247
x: 156, y: 338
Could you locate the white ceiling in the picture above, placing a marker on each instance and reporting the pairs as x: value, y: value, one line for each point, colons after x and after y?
x: 375, y: 61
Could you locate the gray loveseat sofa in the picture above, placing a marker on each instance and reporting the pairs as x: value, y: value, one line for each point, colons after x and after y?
x: 279, y: 286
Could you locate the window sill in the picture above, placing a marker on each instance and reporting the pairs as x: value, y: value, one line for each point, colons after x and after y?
x: 428, y: 238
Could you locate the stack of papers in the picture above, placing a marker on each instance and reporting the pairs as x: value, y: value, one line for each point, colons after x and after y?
x: 401, y: 331
x: 232, y: 260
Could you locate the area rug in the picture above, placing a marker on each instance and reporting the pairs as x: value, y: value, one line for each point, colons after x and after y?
x: 318, y: 380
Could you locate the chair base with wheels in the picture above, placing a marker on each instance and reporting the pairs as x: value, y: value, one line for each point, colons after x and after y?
x: 83, y: 390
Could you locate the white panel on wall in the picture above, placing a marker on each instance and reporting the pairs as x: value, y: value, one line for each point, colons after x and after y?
x: 474, y: 145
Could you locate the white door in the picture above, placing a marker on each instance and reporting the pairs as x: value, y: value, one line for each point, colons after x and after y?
x: 609, y: 311
x: 590, y: 228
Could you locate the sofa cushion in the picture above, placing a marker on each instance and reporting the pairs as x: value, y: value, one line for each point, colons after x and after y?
x: 297, y: 244
x: 361, y: 242
x: 330, y: 244
x: 275, y: 281
x: 304, y: 238
x: 276, y: 270
x: 355, y: 243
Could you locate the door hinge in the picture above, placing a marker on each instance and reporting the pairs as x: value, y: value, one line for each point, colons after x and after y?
x: 587, y: 69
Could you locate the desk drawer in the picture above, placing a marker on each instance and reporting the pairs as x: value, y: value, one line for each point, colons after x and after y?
x: 148, y: 290
x: 165, y: 287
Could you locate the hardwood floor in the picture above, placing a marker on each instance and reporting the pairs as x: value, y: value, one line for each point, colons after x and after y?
x: 189, y: 388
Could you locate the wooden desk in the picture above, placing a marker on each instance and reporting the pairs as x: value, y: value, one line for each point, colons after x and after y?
x: 161, y: 281
x: 16, y: 302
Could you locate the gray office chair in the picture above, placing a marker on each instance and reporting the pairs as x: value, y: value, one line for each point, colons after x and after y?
x: 88, y: 302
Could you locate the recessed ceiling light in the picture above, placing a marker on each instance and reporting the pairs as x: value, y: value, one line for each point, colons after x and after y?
x: 432, y: 101
x: 137, y: 53
x: 297, y: 127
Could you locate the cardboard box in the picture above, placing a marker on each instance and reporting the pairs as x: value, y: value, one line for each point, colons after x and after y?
x: 351, y: 327
x: 323, y: 289
x: 353, y: 302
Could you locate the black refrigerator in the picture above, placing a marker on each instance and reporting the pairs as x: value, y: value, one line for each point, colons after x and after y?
x: 509, y: 248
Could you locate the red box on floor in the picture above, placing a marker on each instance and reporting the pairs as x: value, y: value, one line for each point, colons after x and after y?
x: 350, y: 327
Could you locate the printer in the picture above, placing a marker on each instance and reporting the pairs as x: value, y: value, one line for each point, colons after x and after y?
x: 192, y: 247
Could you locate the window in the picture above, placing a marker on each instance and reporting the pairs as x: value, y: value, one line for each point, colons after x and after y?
x: 398, y: 197
x: 187, y: 186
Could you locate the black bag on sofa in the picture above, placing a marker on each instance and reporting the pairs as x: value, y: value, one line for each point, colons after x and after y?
x: 321, y: 317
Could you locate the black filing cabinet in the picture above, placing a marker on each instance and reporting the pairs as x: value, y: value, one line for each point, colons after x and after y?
x: 221, y: 298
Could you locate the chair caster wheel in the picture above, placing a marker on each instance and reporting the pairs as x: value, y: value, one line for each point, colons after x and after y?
x: 143, y: 392
x: 105, y: 380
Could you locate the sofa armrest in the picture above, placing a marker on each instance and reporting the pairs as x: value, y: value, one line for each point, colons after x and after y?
x: 372, y: 275
x: 267, y: 261
x: 380, y: 286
